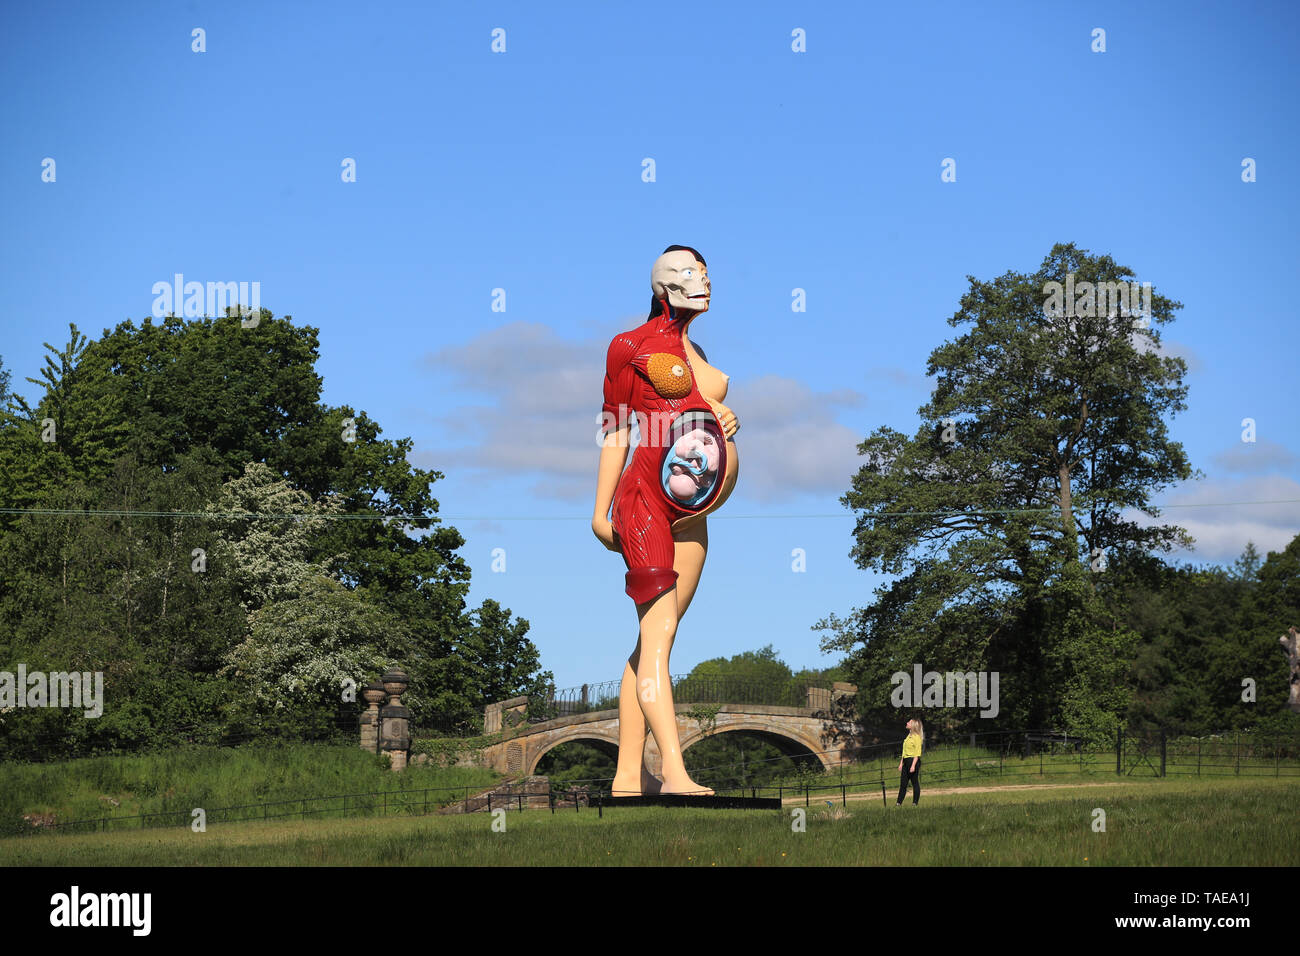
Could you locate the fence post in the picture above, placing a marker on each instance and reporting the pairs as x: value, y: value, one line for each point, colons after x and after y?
x: 385, y: 803
x: 958, y: 758
x: 1237, y: 769
x: 1198, y: 756
x: 467, y: 799
x: 1162, y: 753
x: 1119, y: 750
x: 844, y: 794
x: 883, y: 799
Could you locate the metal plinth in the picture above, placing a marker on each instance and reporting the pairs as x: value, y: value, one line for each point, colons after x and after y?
x: 690, y: 800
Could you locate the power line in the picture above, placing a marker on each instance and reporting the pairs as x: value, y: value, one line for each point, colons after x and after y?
x: 1079, y: 503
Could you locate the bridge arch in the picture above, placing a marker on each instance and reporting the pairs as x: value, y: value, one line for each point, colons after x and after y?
x: 790, y: 741
x: 606, y: 743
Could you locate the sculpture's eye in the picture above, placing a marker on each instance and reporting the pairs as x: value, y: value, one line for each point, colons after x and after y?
x: 687, y: 273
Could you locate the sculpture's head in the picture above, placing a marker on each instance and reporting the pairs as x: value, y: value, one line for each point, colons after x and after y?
x: 680, y: 276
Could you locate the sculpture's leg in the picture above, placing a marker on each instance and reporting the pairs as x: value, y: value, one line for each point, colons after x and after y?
x: 659, y: 620
x: 632, y: 778
x: 655, y: 689
x: 689, y: 551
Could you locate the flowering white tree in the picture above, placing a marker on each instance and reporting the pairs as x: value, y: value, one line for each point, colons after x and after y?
x: 267, y: 552
x: 308, y: 634
x: 301, y: 650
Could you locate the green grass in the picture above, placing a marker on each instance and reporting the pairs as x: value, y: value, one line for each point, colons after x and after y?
x: 949, y: 766
x: 209, y: 777
x: 1225, y: 822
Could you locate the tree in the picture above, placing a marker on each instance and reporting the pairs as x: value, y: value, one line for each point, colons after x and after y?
x: 1268, y: 611
x: 149, y: 422
x: 1004, y: 508
x: 301, y: 650
x: 491, y: 660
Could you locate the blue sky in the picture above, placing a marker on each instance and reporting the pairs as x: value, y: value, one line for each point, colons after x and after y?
x: 522, y: 170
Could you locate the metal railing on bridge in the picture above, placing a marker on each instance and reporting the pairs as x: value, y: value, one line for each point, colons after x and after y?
x: 687, y: 689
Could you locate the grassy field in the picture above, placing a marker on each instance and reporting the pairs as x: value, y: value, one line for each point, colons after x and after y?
x: 950, y: 766
x: 210, y: 777
x: 1234, y: 822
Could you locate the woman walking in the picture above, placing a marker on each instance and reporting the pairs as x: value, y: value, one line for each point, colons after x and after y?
x: 912, y: 756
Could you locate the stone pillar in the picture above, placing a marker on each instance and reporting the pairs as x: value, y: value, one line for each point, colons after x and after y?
x: 374, y: 695
x: 492, y: 718
x: 395, y: 720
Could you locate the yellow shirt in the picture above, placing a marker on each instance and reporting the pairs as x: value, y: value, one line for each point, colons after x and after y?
x: 912, y: 746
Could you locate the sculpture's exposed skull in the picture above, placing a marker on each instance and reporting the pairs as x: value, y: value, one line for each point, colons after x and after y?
x: 682, y: 279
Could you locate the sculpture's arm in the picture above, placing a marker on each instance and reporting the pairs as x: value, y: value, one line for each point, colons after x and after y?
x: 613, y: 456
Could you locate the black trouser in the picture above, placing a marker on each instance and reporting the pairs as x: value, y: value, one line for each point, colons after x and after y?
x: 910, y: 776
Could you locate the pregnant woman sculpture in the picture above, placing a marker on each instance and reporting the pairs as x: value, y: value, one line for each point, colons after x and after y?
x: 683, y: 469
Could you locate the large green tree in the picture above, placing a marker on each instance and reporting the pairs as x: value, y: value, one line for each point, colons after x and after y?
x: 149, y: 422
x: 997, y: 516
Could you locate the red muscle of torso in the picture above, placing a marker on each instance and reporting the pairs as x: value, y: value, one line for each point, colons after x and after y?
x: 679, y: 465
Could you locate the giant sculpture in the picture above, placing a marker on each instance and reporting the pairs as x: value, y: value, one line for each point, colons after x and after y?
x: 683, y: 468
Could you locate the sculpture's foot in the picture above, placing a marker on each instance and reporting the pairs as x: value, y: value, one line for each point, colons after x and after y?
x: 684, y: 785
x: 647, y: 785
x: 626, y: 785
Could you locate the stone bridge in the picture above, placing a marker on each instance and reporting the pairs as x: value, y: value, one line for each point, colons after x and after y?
x: 809, y: 730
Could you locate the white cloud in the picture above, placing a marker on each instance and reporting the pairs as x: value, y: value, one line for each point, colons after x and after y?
x: 1255, y: 457
x: 1171, y: 349
x: 1225, y: 516
x: 542, y: 418
x: 789, y: 442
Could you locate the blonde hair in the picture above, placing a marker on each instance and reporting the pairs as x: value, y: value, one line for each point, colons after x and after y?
x: 915, y: 727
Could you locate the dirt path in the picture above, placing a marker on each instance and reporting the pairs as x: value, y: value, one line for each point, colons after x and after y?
x: 791, y: 801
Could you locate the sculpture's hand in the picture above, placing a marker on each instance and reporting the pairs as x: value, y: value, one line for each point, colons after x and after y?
x: 604, y: 531
x: 726, y: 417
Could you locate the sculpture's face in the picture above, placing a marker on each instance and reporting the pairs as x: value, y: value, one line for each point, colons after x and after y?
x: 680, y: 278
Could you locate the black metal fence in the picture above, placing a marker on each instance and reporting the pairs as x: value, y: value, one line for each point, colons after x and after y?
x: 946, y: 760
x: 1009, y: 757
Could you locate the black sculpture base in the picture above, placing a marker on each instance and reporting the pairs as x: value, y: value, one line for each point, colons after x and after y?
x: 691, y: 800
